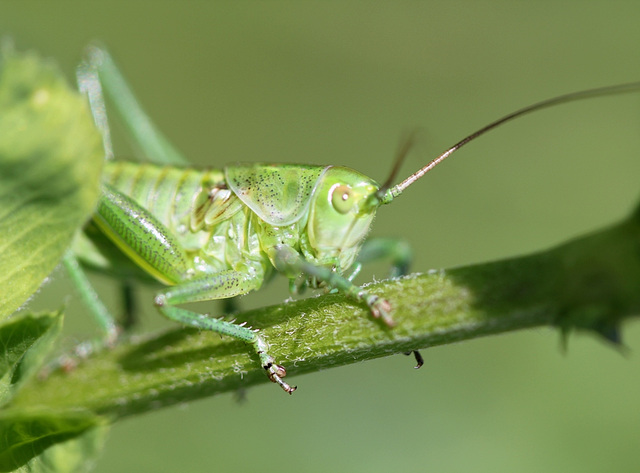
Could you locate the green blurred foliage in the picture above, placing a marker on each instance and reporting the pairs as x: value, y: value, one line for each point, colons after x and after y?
x: 49, y: 178
x: 336, y: 82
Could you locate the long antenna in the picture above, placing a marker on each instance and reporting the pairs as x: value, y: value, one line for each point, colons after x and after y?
x: 389, y: 194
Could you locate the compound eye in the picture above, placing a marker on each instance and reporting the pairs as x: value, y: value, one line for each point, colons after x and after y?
x: 342, y: 198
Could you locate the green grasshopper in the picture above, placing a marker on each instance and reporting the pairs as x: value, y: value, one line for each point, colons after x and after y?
x: 217, y: 234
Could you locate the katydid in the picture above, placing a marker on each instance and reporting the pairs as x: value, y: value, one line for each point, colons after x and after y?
x: 217, y: 234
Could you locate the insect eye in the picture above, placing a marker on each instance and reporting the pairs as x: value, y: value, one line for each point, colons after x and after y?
x: 342, y: 198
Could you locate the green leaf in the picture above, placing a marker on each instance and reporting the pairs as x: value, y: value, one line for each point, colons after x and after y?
x: 50, y: 163
x: 75, y: 455
x: 28, y: 434
x: 25, y: 340
x: 40, y: 440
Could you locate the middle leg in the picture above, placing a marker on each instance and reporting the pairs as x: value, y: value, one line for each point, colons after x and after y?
x: 222, y: 285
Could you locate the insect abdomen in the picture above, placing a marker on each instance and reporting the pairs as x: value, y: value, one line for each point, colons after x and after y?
x: 195, y: 207
x: 169, y: 193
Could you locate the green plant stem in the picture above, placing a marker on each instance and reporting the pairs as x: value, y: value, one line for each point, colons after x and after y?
x: 590, y: 283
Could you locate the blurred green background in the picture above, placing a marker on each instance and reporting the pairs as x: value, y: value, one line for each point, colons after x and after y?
x: 339, y: 83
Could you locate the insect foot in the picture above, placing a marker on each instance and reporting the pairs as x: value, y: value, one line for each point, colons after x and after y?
x: 381, y: 309
x: 274, y: 372
x: 68, y: 362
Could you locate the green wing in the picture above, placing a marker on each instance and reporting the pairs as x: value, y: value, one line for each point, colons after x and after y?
x: 278, y: 193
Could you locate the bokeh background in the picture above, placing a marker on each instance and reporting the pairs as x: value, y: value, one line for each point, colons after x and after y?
x: 340, y: 83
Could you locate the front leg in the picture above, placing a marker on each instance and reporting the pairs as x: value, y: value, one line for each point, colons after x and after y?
x: 220, y: 286
x: 289, y: 261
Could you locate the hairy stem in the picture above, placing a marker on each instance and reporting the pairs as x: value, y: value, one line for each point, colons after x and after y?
x: 591, y: 283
